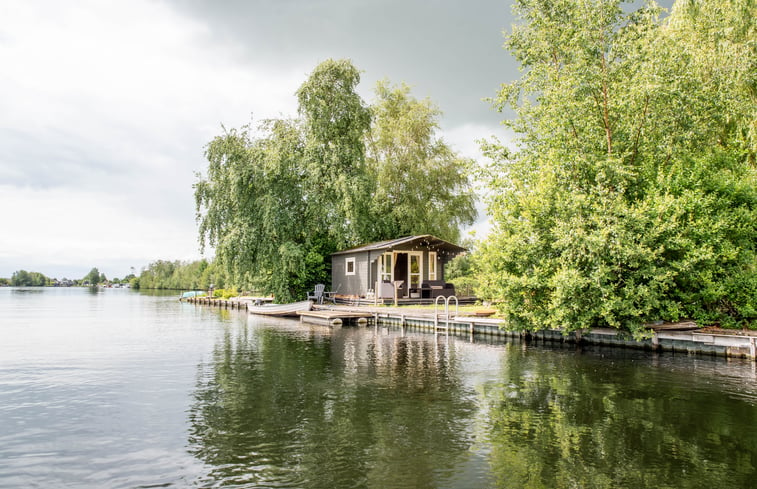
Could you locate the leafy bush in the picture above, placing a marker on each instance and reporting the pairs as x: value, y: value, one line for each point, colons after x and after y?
x: 633, y: 194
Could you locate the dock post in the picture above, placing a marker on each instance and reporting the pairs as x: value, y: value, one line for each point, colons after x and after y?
x: 753, y: 347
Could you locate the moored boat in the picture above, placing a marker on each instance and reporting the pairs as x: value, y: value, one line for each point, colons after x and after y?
x: 290, y: 309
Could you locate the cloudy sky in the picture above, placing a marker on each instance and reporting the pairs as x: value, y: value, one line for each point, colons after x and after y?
x: 105, y: 106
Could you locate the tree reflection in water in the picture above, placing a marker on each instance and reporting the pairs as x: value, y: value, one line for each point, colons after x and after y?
x: 287, y: 405
x: 565, y: 420
x: 310, y: 407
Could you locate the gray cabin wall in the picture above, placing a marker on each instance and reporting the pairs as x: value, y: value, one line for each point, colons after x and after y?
x: 344, y: 284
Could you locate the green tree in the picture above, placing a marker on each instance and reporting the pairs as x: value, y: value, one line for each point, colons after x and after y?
x: 277, y: 200
x: 20, y: 278
x: 93, y: 277
x: 335, y: 120
x: 264, y: 230
x: 631, y: 196
x: 421, y: 184
x: 23, y: 278
x: 178, y: 275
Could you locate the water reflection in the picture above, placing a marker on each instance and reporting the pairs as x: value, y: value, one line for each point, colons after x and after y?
x: 561, y: 420
x: 111, y: 390
x: 313, y: 407
x: 26, y: 290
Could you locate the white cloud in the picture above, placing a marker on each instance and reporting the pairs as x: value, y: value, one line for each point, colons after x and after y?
x: 464, y: 139
x: 107, y: 106
x: 105, y: 112
x: 73, y: 231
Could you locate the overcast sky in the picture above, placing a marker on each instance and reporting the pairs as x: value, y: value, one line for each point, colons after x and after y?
x: 105, y: 106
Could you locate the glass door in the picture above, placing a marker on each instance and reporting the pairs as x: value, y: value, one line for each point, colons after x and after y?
x: 415, y: 270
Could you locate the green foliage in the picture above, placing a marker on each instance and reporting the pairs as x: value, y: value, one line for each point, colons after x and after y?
x: 277, y: 200
x: 5, y: 281
x: 93, y: 277
x: 421, y: 185
x: 22, y: 278
x: 225, y: 293
x: 257, y: 216
x: 460, y: 266
x: 632, y: 196
x: 335, y: 120
x: 178, y: 275
x: 461, y: 272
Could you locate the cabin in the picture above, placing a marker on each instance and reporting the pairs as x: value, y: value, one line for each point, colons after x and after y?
x: 413, y: 264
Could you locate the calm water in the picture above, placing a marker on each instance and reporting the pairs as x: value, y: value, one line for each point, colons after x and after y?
x: 113, y: 389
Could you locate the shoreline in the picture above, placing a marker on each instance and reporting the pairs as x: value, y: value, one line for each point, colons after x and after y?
x: 707, y: 341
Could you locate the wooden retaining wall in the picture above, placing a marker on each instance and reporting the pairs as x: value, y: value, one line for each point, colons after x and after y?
x: 691, y: 342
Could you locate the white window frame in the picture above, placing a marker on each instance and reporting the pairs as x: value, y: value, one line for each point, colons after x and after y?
x: 410, y: 273
x: 432, y: 265
x: 385, y: 273
x: 347, y: 262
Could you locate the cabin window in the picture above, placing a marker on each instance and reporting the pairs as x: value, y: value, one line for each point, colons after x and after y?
x: 349, y: 266
x: 432, y: 265
x: 385, y: 267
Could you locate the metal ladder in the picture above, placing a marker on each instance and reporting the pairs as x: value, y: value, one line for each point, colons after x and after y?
x: 437, y: 326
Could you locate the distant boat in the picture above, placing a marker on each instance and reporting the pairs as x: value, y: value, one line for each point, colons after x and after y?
x: 290, y: 309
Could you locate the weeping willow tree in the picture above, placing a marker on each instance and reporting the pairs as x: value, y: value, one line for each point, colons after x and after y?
x: 278, y: 198
x: 631, y: 196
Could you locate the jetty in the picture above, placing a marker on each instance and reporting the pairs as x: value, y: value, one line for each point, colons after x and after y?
x: 335, y: 318
x: 679, y: 337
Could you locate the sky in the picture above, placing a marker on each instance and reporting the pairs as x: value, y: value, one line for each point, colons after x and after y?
x: 106, y: 106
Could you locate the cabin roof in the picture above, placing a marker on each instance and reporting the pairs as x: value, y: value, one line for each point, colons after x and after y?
x: 424, y: 240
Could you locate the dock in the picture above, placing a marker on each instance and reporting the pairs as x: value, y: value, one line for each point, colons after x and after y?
x: 335, y: 318
x: 683, y: 337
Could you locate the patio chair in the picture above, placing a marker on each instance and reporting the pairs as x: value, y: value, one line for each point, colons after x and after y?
x: 317, y: 294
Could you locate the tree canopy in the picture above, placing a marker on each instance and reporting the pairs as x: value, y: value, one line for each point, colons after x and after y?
x: 278, y: 198
x: 164, y: 274
x: 631, y: 195
x: 23, y: 278
x: 94, y: 277
x: 421, y: 184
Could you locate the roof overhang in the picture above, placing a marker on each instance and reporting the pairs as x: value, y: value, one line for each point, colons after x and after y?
x: 425, y: 241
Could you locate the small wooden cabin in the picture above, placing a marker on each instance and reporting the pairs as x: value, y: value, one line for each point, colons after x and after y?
x: 414, y: 264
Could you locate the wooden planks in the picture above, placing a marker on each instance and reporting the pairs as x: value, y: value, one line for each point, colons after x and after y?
x: 334, y: 318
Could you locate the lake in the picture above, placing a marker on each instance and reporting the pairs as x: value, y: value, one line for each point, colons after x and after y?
x: 112, y: 388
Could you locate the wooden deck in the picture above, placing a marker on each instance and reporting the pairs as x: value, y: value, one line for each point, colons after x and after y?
x: 333, y: 317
